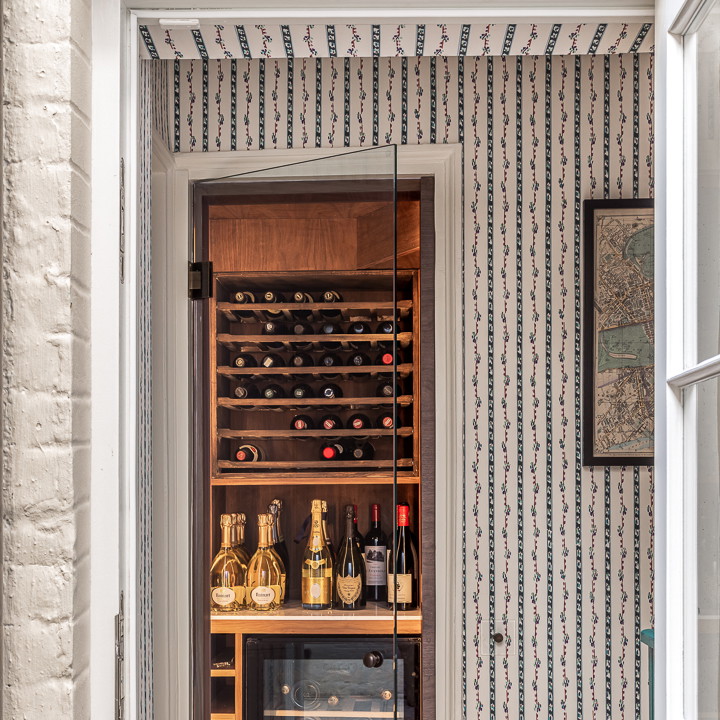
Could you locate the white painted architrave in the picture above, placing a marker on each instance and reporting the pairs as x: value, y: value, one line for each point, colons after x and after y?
x: 172, y: 178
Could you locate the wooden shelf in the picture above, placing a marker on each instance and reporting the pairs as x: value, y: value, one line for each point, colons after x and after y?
x: 223, y: 716
x: 328, y: 478
x: 366, y: 432
x: 224, y: 672
x: 299, y: 403
x: 316, y: 371
x: 312, y: 464
x: 349, y: 310
x: 372, y: 339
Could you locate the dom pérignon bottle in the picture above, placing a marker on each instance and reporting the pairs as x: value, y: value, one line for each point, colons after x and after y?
x: 375, y: 557
x: 317, y: 566
x: 263, y: 584
x: 402, y: 565
x: 227, y: 574
x: 350, y: 568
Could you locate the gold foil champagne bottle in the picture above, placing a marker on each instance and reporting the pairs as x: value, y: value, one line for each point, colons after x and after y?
x: 227, y: 574
x: 263, y: 584
x: 317, y: 565
x: 237, y: 537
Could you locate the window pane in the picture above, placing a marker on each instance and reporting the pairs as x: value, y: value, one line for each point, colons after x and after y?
x: 708, y: 160
x: 708, y: 547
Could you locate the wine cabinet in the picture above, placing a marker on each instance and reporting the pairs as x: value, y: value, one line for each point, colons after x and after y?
x: 313, y: 379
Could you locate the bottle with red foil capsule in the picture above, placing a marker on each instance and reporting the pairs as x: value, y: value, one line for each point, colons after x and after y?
x: 302, y: 422
x: 386, y: 421
x: 333, y: 450
x: 388, y: 359
x: 376, y: 557
x: 248, y: 453
x: 358, y: 422
x: 331, y: 422
x: 402, y: 573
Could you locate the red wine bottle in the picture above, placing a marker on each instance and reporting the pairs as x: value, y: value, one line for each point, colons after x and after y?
x: 248, y: 453
x: 333, y: 450
x: 273, y: 297
x: 302, y: 297
x: 357, y: 535
x: 375, y: 557
x: 329, y: 360
x: 247, y: 391
x: 359, y: 359
x: 330, y: 392
x: 245, y: 360
x: 386, y: 421
x: 302, y: 422
x: 402, y: 579
x: 358, y: 422
x: 331, y: 422
x: 387, y: 327
x: 331, y: 296
x: 349, y: 569
x: 273, y: 392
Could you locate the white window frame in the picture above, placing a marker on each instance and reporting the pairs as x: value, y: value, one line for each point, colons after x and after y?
x: 678, y: 370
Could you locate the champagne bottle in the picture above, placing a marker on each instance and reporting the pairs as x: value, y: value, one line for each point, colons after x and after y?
x: 245, y: 360
x: 263, y: 584
x: 386, y: 389
x: 331, y: 296
x: 358, y: 422
x: 330, y: 391
x: 247, y: 391
x: 273, y: 297
x: 237, y: 537
x: 302, y: 422
x: 402, y: 579
x: 242, y: 298
x: 317, y: 566
x: 273, y: 392
x: 248, y: 453
x: 375, y: 557
x: 331, y: 422
x: 350, y: 569
x: 302, y: 297
x: 328, y: 537
x: 278, y: 539
x: 227, y: 574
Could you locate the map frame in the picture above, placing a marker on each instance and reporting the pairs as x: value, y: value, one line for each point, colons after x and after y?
x: 625, y: 386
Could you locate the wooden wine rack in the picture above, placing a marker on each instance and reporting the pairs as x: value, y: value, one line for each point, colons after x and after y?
x: 291, y: 467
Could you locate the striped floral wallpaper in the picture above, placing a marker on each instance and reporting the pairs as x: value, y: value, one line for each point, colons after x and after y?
x: 560, y: 553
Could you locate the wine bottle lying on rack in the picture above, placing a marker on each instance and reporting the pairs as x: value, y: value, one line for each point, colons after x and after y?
x: 328, y: 537
x: 248, y: 453
x: 386, y: 421
x: 273, y: 297
x: 244, y: 360
x: 387, y: 327
x: 330, y: 391
x: 402, y: 578
x: 329, y: 360
x: 329, y: 328
x: 242, y: 298
x: 362, y: 451
x: 349, y: 568
x: 331, y: 296
x: 359, y: 359
x: 302, y: 297
x: 278, y: 545
x: 358, y: 328
x: 331, y: 422
x: 301, y: 360
x: 237, y: 536
x: 385, y: 389
x: 302, y: 391
x: 302, y: 422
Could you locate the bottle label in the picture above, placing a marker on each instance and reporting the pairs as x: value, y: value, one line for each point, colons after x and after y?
x: 349, y: 588
x: 316, y: 591
x: 375, y: 564
x: 224, y: 596
x: 399, y: 588
x: 265, y: 594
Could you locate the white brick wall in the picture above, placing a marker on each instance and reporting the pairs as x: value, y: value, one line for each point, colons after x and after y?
x: 45, y: 358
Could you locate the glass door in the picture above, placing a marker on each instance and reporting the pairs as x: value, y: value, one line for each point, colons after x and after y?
x: 306, y: 440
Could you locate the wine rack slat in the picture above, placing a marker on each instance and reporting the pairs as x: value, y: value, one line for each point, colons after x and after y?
x: 349, y: 311
x: 316, y: 371
x: 327, y: 478
x: 295, y: 403
x: 365, y: 432
x: 288, y: 341
x: 312, y: 464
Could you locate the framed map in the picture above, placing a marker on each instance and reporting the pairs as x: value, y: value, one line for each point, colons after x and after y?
x: 618, y: 333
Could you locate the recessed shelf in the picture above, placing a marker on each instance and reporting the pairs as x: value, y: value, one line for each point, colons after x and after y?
x: 293, y: 610
x: 264, y: 404
x: 349, y: 310
x: 312, y: 464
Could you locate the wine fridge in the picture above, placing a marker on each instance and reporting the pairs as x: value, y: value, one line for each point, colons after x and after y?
x: 332, y: 678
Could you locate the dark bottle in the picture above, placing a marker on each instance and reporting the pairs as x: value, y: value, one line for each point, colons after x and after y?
x: 278, y: 541
x: 330, y: 329
x: 273, y: 328
x: 363, y: 451
x: 387, y: 327
x: 409, y: 530
x: 385, y: 389
x: 386, y: 421
x: 302, y: 297
x: 349, y: 569
x: 329, y: 360
x: 273, y: 392
x: 271, y: 360
x: 301, y: 360
x: 359, y: 359
x: 358, y: 328
x: 358, y: 422
x: 302, y: 422
x: 328, y: 538
x: 302, y: 391
x: 302, y: 328
x: 273, y: 297
x: 331, y: 422
x: 330, y: 391
x: 333, y: 450
x: 387, y: 359
x: 243, y: 298
x: 402, y: 578
x: 248, y: 453
x: 245, y: 360
x: 247, y: 391
x: 357, y: 535
x: 331, y: 296
x: 375, y: 557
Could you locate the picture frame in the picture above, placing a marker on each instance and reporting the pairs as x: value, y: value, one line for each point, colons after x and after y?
x: 618, y: 399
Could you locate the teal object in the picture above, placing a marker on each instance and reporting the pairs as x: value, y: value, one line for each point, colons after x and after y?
x: 648, y: 637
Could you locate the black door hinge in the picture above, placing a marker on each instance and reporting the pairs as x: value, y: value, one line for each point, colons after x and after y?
x: 199, y: 280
